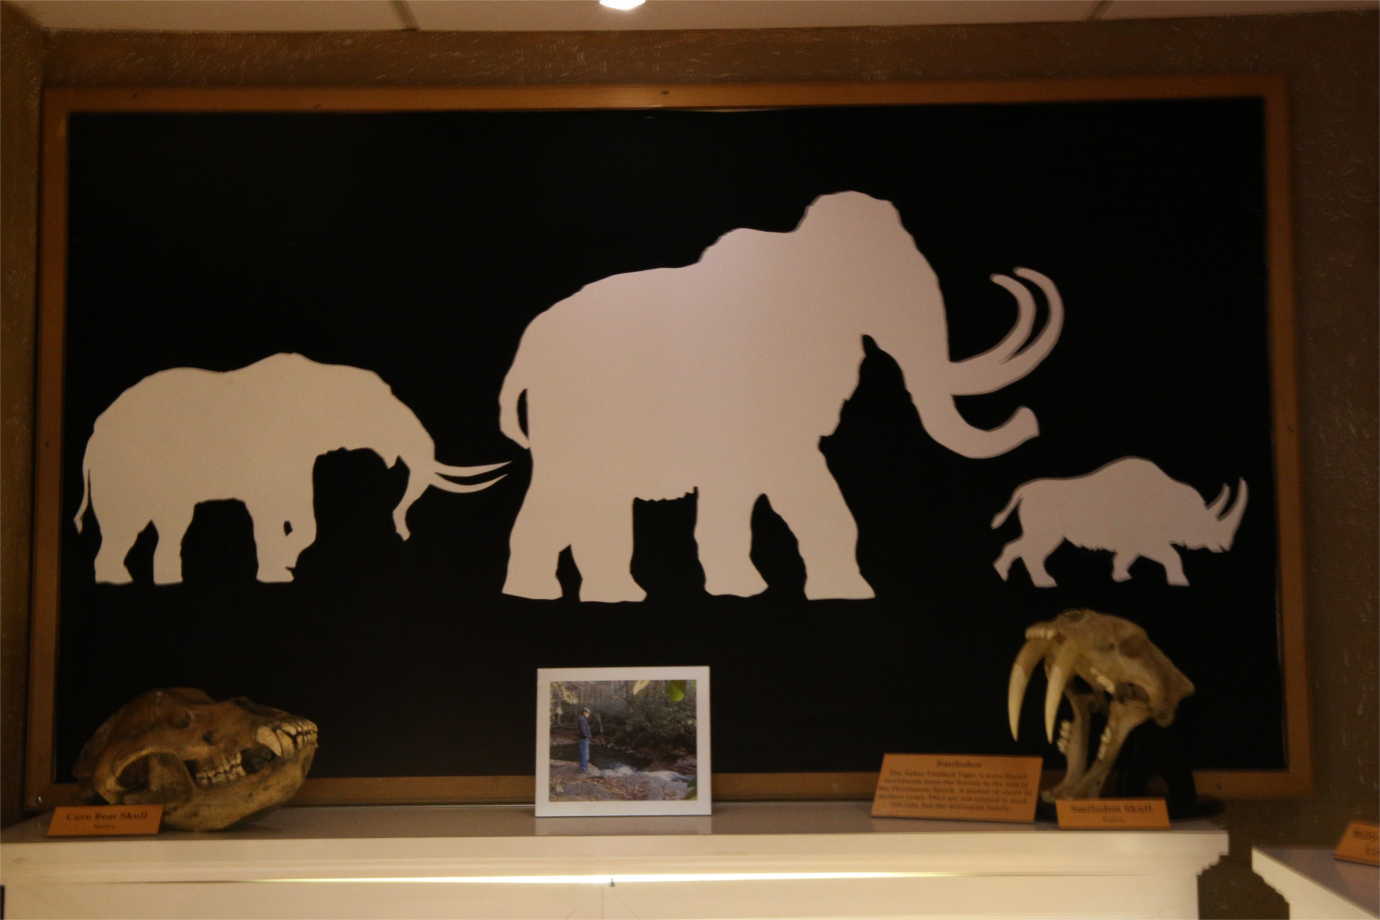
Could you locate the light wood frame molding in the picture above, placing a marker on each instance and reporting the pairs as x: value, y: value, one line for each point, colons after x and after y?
x: 42, y: 789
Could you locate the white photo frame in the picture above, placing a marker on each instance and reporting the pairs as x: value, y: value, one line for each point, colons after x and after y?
x: 657, y: 775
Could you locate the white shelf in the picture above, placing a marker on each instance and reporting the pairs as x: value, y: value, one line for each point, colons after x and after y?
x: 1316, y: 884
x: 746, y: 860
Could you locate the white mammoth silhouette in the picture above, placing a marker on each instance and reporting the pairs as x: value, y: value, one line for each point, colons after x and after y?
x: 720, y: 378
x: 186, y: 435
x: 1128, y: 506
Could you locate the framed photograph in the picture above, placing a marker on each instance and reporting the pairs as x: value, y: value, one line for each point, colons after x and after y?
x: 440, y: 385
x: 623, y: 741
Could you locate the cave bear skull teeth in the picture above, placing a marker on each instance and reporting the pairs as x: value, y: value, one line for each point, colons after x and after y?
x: 210, y: 764
x: 1126, y: 676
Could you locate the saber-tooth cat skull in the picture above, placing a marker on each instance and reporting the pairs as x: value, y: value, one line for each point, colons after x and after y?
x: 1126, y: 676
x: 209, y: 764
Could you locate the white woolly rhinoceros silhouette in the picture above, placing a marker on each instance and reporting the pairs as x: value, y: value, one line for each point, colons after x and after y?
x: 719, y: 378
x: 187, y: 435
x: 1129, y: 507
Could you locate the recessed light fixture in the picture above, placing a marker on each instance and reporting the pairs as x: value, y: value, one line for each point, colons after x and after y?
x: 624, y: 5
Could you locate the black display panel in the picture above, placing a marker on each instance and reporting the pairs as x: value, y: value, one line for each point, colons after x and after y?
x: 420, y: 245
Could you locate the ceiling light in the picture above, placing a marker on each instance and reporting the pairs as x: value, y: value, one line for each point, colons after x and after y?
x: 622, y: 4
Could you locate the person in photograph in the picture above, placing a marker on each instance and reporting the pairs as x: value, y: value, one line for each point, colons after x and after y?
x: 585, y: 735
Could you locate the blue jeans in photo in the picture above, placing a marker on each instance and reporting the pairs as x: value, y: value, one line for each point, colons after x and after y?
x: 584, y: 755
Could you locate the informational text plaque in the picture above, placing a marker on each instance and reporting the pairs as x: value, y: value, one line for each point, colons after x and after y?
x: 105, y: 820
x: 957, y: 787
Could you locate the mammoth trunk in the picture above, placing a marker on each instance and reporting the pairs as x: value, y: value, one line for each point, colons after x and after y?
x: 942, y: 420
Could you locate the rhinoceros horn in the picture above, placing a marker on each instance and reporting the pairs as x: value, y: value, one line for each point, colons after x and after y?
x: 1229, y: 518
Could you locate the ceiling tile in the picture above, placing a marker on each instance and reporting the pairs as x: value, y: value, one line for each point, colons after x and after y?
x: 1173, y: 9
x: 214, y: 15
x: 516, y: 15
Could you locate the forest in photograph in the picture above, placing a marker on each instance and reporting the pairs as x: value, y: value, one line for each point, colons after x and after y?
x: 623, y: 740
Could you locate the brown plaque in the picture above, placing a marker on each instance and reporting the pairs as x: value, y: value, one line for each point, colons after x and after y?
x: 1360, y: 843
x: 957, y: 787
x: 104, y: 820
x: 1112, y: 814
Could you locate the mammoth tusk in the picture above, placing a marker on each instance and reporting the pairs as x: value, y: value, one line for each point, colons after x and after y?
x: 1011, y: 343
x: 1013, y: 357
x: 1053, y: 301
x: 1021, y: 668
x: 1059, y: 673
x: 1047, y: 287
x: 1007, y: 348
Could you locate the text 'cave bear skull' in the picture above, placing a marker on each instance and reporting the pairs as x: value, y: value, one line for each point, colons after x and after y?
x: 209, y: 764
x: 1120, y: 673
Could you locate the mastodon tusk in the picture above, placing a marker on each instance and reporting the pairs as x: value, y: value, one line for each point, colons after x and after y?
x: 1059, y: 673
x: 447, y: 486
x: 1021, y: 669
x: 462, y: 471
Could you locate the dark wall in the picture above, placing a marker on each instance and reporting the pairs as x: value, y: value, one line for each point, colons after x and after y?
x: 1329, y: 60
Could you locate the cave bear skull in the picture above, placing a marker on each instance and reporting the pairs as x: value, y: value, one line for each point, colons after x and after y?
x: 210, y: 764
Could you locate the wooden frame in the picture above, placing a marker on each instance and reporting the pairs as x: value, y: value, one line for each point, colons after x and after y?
x: 42, y: 788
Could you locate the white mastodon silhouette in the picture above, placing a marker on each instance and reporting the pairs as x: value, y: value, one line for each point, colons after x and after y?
x: 1128, y: 506
x: 719, y: 378
x: 187, y: 435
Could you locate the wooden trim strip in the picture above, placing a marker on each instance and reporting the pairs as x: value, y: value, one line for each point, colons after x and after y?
x: 1288, y: 463
x: 648, y: 96
x: 39, y: 772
